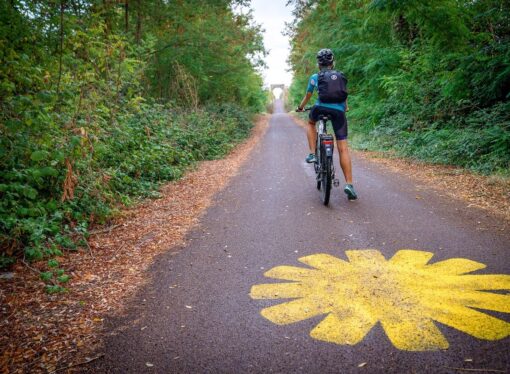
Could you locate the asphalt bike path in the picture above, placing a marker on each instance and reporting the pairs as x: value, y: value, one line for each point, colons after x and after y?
x: 377, y: 289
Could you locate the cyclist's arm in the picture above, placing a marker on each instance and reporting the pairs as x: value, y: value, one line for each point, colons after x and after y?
x: 346, y: 105
x: 312, y: 85
x: 305, y: 100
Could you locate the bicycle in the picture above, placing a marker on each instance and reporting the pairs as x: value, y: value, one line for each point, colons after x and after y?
x: 324, y: 168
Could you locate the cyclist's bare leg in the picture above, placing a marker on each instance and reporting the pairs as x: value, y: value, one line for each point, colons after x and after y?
x: 311, y: 134
x: 345, y: 160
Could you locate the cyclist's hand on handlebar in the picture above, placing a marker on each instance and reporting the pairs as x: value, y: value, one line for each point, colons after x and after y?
x: 303, y: 109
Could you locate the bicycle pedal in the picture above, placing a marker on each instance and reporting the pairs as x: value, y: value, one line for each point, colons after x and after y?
x: 336, y: 182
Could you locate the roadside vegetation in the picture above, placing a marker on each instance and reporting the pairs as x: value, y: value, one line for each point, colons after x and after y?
x: 429, y: 80
x: 102, y: 101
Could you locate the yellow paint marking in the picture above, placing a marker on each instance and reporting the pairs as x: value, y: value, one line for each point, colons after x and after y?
x: 405, y: 294
x: 411, y: 333
x: 294, y: 311
x: 291, y: 273
x: 348, y: 328
x: 325, y: 262
x: 365, y: 258
x: 456, y: 266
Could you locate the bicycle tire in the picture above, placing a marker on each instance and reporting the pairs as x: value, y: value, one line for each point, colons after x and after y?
x: 326, y: 181
x: 317, y: 164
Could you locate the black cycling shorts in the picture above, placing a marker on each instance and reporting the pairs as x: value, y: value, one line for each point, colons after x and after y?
x: 337, y: 119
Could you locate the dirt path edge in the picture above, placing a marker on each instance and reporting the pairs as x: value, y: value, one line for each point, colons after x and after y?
x: 48, y: 333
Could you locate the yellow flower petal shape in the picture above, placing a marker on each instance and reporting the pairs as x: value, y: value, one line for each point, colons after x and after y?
x: 456, y: 266
x: 349, y: 329
x: 294, y: 311
x: 291, y: 273
x: 410, y: 258
x: 325, y: 262
x: 414, y: 334
x: 405, y: 294
x: 470, y: 321
x: 367, y: 258
x: 484, y: 282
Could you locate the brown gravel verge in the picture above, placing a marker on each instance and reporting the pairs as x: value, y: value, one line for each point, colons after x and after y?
x: 490, y: 193
x: 49, y: 333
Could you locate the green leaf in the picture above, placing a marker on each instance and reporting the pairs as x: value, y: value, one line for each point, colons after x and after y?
x: 33, y: 253
x: 31, y: 193
x: 59, y: 156
x: 64, y: 278
x: 39, y: 155
x: 46, y: 275
x: 6, y: 261
x: 52, y: 263
x: 51, y: 289
x: 51, y: 205
x: 48, y: 171
x: 14, y: 124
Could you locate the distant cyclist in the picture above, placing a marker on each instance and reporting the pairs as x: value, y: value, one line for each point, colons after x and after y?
x: 332, y: 101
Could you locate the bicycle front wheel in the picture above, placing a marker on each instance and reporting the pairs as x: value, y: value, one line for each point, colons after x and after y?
x: 326, y: 180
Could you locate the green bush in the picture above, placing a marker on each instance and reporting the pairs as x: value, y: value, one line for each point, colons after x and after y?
x: 92, y: 109
x: 428, y: 79
x: 111, y: 166
x: 479, y: 141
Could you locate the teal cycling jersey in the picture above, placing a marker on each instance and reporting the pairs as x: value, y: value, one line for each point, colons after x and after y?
x: 312, y: 86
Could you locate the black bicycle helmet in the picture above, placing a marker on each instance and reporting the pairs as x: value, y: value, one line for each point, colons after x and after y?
x: 325, y: 57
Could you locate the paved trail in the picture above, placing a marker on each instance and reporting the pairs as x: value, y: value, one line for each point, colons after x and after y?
x: 197, y: 314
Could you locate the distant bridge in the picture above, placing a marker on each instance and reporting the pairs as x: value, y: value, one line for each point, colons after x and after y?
x: 273, y: 86
x: 282, y: 87
x: 282, y: 96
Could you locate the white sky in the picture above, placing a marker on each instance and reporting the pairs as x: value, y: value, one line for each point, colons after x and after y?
x: 272, y: 15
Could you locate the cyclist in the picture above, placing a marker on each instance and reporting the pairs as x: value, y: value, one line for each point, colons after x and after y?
x: 336, y: 111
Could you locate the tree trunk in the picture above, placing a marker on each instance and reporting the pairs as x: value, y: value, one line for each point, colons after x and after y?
x: 126, y: 15
x: 61, y: 49
x: 138, y: 33
x: 107, y: 15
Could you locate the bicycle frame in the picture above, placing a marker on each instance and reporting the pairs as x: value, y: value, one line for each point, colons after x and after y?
x: 324, y: 169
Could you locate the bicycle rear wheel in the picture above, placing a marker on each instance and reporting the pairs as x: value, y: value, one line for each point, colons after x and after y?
x: 316, y: 165
x: 326, y: 180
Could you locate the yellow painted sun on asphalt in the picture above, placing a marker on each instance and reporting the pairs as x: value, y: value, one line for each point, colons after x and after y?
x: 404, y: 294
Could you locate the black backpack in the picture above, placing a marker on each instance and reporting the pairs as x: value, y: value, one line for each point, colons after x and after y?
x: 332, y: 86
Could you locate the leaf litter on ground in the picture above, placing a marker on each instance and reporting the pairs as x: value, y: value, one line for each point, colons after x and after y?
x: 44, y: 333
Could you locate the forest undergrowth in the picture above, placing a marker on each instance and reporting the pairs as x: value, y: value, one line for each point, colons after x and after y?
x: 103, y: 101
x: 429, y: 80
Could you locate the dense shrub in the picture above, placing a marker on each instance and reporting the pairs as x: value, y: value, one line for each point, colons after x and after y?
x: 111, y: 166
x: 101, y: 101
x: 428, y: 79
